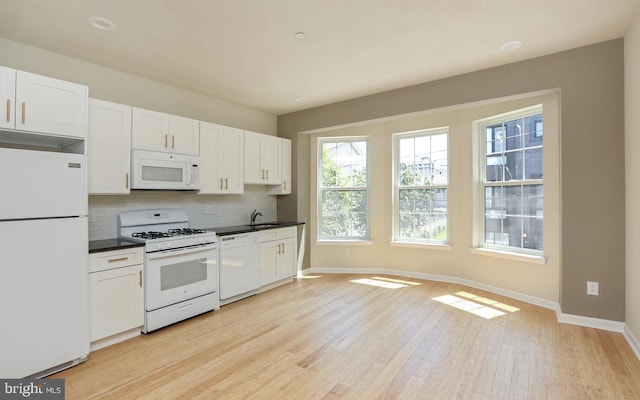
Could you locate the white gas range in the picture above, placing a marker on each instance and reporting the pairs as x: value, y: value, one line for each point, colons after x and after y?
x: 180, y: 265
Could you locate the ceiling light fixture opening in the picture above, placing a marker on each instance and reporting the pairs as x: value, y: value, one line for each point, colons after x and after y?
x: 299, y: 99
x: 300, y: 35
x: 511, y: 46
x: 102, y: 23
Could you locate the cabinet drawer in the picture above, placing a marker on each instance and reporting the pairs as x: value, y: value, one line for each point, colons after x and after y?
x: 114, y: 259
x: 279, y: 233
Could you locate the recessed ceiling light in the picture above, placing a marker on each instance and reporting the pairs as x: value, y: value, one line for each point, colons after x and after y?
x: 102, y: 23
x: 299, y: 99
x: 511, y: 46
x: 300, y: 35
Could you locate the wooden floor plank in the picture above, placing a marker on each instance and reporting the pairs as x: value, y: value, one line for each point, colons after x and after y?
x: 332, y: 338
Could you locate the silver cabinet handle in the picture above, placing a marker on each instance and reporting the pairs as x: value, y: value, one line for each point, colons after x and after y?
x: 221, y: 184
x: 8, y: 110
x: 118, y: 259
x: 226, y: 183
x: 173, y: 141
x: 126, y: 180
x: 24, y: 112
x: 140, y: 278
x: 165, y: 141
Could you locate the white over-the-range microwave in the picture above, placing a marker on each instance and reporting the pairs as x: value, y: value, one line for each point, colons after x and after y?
x: 164, y: 171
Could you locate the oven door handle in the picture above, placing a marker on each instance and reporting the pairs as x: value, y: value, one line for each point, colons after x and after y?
x: 179, y: 252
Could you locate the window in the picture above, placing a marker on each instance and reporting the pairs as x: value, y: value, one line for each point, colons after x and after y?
x: 421, y: 178
x: 512, y: 182
x: 343, y: 189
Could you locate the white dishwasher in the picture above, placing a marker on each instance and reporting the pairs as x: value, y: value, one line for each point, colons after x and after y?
x: 240, y: 273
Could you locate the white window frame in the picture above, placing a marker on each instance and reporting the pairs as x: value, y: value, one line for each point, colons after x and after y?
x: 396, y: 185
x: 320, y: 189
x: 481, y: 153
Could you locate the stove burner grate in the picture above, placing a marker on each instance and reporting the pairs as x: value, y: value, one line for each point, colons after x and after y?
x: 151, y: 235
x: 186, y: 231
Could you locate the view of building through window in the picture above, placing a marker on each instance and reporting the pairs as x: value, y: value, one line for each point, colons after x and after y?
x: 343, y: 182
x: 513, y: 183
x: 422, y: 177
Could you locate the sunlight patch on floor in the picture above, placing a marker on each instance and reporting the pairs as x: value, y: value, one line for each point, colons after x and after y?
x: 300, y: 276
x: 381, y: 278
x: 380, y: 283
x: 476, y: 305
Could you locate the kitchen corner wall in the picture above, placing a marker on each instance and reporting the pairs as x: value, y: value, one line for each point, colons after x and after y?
x: 205, y: 211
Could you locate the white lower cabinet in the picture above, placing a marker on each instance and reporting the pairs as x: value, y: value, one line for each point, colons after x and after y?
x: 278, y: 248
x: 115, y: 291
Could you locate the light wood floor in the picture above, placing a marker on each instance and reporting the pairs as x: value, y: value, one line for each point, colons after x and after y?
x: 330, y: 338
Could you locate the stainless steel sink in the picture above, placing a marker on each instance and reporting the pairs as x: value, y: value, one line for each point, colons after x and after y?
x: 264, y: 225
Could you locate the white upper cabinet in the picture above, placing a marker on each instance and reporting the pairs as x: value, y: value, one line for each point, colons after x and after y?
x: 39, y: 104
x: 285, y: 168
x: 52, y: 106
x: 156, y: 131
x: 109, y: 147
x: 7, y: 97
x: 261, y: 159
x: 222, y: 159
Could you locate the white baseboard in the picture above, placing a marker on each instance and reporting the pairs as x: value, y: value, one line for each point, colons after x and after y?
x: 632, y: 340
x: 590, y: 322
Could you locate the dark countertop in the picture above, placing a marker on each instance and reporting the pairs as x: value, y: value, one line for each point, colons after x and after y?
x: 232, y: 230
x: 97, y: 246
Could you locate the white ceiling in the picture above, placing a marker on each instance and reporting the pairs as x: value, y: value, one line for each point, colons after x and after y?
x: 245, y: 51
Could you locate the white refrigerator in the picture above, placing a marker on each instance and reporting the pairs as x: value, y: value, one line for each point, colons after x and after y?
x: 43, y: 262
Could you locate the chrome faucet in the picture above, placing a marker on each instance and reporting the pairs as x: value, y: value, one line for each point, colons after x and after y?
x: 255, y: 214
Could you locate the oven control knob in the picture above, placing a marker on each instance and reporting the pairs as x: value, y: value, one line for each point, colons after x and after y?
x: 160, y: 246
x: 210, y: 239
x: 169, y: 245
x: 200, y: 240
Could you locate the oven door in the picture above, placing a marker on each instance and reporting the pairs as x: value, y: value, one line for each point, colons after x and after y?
x: 176, y: 275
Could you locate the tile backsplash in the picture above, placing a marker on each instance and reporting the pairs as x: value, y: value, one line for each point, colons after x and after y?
x: 205, y: 211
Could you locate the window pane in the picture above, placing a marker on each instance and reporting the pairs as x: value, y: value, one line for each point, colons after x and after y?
x: 343, y: 213
x: 495, y: 168
x: 423, y: 160
x: 513, y: 196
x: 512, y: 227
x: 344, y: 164
x: 533, y: 200
x: 533, y: 162
x: 423, y: 214
x: 494, y: 202
x: 532, y: 233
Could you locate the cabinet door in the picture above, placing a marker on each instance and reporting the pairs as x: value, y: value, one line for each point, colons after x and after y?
x: 150, y: 130
x: 210, y: 179
x: 287, y: 258
x: 109, y: 147
x: 184, y: 135
x: 253, y: 172
x: 270, y: 158
x: 116, y: 301
x: 222, y: 159
x: 7, y: 97
x: 231, y: 159
x: 50, y: 105
x: 269, y: 262
x: 285, y: 169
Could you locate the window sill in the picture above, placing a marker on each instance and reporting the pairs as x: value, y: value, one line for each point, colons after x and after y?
x: 421, y: 245
x: 526, y: 258
x: 344, y: 242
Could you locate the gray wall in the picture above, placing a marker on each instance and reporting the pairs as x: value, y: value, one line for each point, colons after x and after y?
x: 591, y: 83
